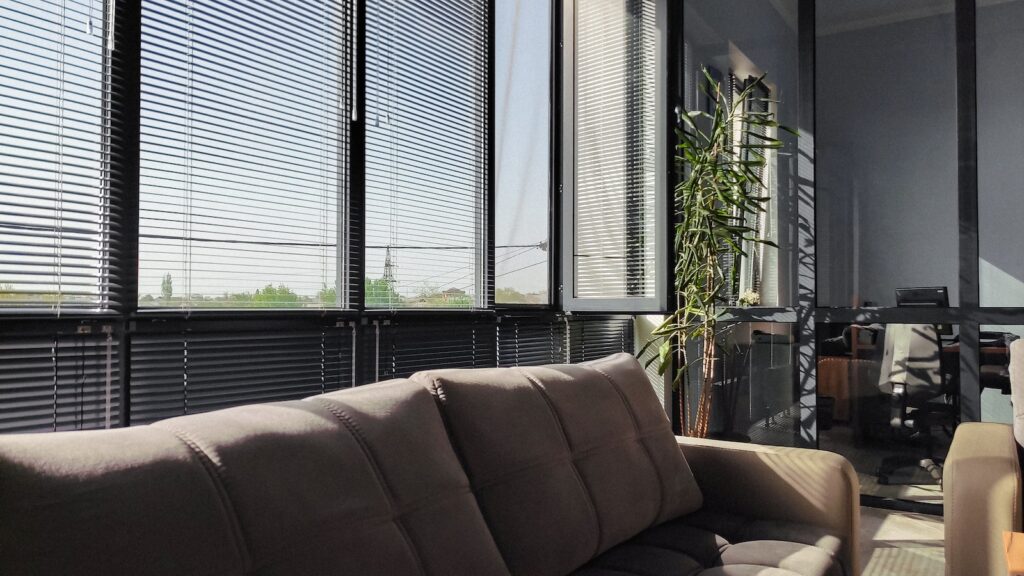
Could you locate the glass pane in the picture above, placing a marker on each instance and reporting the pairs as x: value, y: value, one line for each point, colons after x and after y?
x: 426, y: 153
x: 737, y: 41
x: 53, y: 172
x: 243, y: 165
x: 1000, y: 147
x: 522, y: 148
x: 994, y: 372
x: 888, y: 400
x: 615, y: 210
x: 754, y: 397
x: 886, y: 164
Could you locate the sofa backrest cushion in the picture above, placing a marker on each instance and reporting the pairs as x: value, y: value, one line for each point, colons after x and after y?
x: 362, y: 481
x: 133, y: 501
x: 566, y: 461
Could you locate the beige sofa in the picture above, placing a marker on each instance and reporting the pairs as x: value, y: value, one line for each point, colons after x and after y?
x: 982, y: 486
x: 556, y: 470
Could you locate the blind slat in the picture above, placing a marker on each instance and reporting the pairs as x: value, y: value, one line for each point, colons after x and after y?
x: 244, y: 145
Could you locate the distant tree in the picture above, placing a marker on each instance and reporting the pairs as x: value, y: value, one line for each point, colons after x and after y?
x: 167, y: 287
x: 7, y: 291
x: 510, y: 296
x: 381, y: 292
x: 279, y: 297
x: 327, y: 296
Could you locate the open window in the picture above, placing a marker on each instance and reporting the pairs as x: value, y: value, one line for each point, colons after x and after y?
x: 614, y: 182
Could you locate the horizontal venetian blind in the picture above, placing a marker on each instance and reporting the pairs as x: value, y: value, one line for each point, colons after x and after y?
x: 54, y: 193
x: 59, y: 382
x: 409, y: 346
x: 614, y: 193
x: 594, y: 337
x: 426, y: 153
x: 245, y: 112
x: 198, y: 371
x: 531, y: 341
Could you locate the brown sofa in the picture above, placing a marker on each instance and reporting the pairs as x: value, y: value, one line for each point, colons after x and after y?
x: 568, y: 469
x: 982, y: 486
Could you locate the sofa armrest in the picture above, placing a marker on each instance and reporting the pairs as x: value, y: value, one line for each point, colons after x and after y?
x: 981, y: 496
x: 811, y: 487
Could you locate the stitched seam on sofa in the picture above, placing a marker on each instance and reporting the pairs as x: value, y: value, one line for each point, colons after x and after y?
x: 662, y: 483
x: 575, y: 469
x: 220, y: 484
x: 360, y: 439
x: 502, y: 476
x: 440, y: 402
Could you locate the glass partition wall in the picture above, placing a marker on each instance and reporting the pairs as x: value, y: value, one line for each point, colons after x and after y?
x: 886, y: 199
x: 892, y: 285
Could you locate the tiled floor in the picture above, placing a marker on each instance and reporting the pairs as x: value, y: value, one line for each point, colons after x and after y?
x: 900, y: 543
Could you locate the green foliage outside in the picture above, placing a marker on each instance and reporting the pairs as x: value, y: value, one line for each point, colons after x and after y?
x: 380, y: 293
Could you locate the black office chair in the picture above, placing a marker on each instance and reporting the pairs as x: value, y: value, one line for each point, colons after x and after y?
x: 919, y: 393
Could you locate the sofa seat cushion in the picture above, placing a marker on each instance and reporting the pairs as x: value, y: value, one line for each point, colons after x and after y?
x: 708, y: 544
x: 566, y: 461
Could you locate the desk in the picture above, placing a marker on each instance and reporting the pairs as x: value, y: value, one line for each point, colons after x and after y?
x: 993, y: 366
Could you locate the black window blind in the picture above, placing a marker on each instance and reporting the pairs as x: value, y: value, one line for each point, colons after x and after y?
x: 57, y: 382
x: 54, y: 163
x: 426, y: 154
x: 198, y: 370
x: 244, y: 153
x: 531, y: 341
x: 593, y: 337
x: 405, y: 347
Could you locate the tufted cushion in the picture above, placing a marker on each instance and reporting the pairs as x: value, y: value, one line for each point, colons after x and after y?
x: 362, y: 481
x: 688, y: 547
x: 566, y: 461
x: 134, y: 501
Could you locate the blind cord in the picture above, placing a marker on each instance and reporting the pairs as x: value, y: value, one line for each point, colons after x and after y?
x: 109, y: 381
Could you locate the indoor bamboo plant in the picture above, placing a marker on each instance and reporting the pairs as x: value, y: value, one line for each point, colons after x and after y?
x: 719, y: 160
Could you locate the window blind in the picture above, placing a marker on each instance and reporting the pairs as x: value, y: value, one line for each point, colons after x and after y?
x: 593, y: 337
x: 201, y: 370
x: 245, y: 112
x: 531, y: 341
x: 426, y: 153
x: 54, y: 167
x: 614, y: 193
x: 57, y: 382
x: 404, y: 347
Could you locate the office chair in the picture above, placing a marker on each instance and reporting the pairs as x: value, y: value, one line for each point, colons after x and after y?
x: 911, y: 376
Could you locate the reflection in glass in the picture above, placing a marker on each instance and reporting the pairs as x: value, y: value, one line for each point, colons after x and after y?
x: 755, y: 397
x: 1000, y: 147
x: 994, y: 372
x: 886, y: 158
x: 737, y: 41
x: 888, y: 400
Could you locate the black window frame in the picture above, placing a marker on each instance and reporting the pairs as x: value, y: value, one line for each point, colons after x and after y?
x: 126, y: 322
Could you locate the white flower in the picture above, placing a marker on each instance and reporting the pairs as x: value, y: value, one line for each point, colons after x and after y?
x: 749, y: 298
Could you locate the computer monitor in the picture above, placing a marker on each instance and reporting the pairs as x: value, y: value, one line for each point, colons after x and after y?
x: 934, y: 297
x: 929, y: 297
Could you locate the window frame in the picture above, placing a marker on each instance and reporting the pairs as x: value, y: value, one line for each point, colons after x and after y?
x: 659, y: 302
